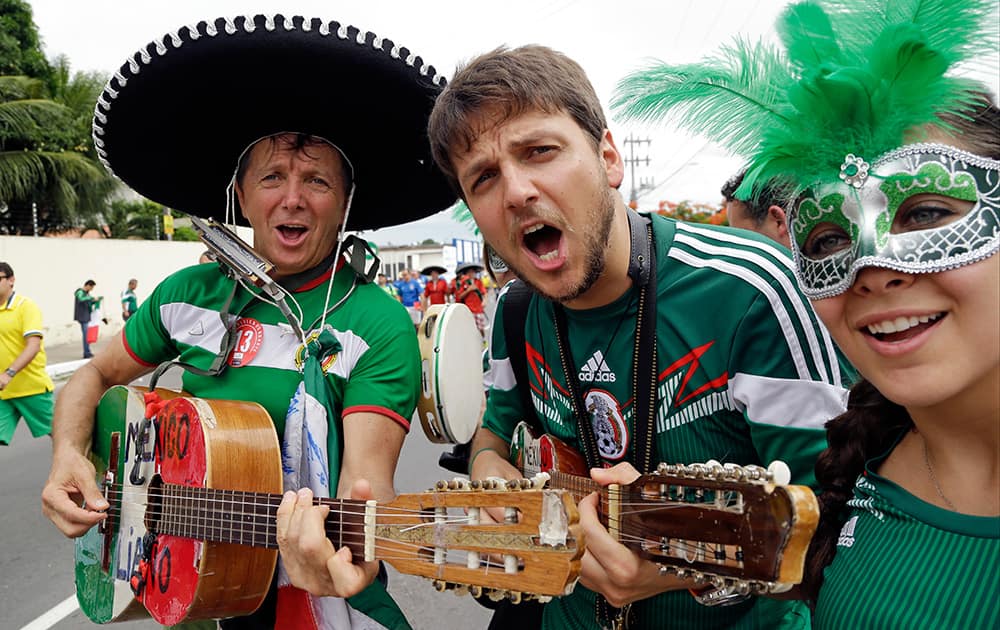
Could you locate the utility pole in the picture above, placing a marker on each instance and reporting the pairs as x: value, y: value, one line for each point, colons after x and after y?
x: 631, y: 161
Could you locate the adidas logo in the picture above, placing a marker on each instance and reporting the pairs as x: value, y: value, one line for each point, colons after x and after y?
x: 595, y: 370
x: 846, y: 538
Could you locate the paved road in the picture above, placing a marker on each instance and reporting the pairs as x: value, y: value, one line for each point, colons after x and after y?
x: 36, y: 561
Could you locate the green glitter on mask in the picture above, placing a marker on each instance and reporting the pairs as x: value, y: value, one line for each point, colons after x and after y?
x: 812, y: 213
x: 930, y: 178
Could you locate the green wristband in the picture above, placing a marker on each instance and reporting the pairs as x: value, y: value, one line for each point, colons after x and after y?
x: 476, y: 454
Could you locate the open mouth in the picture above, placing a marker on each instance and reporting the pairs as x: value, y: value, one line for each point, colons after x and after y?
x: 292, y: 233
x: 901, y: 328
x: 543, y: 241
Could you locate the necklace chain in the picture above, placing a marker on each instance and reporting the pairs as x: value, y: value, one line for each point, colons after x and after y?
x: 934, y: 479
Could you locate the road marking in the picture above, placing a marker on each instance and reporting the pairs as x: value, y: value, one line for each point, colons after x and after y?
x: 55, y: 615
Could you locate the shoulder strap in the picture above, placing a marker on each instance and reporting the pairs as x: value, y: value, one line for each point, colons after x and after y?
x: 515, y: 313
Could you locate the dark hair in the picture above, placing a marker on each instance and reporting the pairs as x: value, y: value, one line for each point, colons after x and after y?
x: 511, y: 81
x: 978, y: 128
x: 90, y: 283
x: 299, y: 143
x: 6, y: 269
x: 869, y: 428
x: 759, y: 202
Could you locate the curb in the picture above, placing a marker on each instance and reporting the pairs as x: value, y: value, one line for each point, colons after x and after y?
x: 62, y: 371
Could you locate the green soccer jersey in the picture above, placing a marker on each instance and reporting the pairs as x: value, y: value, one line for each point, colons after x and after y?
x: 903, y: 563
x: 747, y: 374
x: 377, y: 368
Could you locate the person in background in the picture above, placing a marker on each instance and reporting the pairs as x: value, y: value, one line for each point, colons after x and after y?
x: 468, y: 289
x: 129, y: 302
x: 84, y: 305
x: 207, y: 256
x: 436, y: 287
x: 762, y: 212
x: 387, y: 286
x: 25, y: 386
x: 409, y: 295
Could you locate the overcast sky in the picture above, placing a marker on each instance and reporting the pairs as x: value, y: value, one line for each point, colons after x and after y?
x: 607, y: 38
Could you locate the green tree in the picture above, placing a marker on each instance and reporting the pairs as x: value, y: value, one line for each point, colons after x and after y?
x: 129, y: 219
x: 50, y: 178
x: 20, y: 46
x: 37, y: 166
x: 185, y: 233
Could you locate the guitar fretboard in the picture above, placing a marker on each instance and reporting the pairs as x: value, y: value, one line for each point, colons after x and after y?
x: 244, y: 518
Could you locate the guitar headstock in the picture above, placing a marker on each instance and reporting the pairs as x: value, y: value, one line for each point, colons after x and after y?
x: 721, y: 523
x: 446, y: 535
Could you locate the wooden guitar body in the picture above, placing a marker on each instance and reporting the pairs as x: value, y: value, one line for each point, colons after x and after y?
x: 222, y: 444
x: 210, y: 489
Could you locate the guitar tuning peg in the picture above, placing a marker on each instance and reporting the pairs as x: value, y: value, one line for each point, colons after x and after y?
x: 513, y: 484
x: 441, y: 486
x: 461, y: 589
x: 440, y: 586
x: 476, y: 484
x: 514, y: 597
x: 496, y: 594
x: 779, y: 473
x: 540, y: 480
x: 476, y: 591
x: 458, y: 483
x: 666, y: 469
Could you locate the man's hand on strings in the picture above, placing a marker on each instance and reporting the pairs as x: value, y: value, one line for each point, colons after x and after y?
x: 608, y: 567
x: 312, y: 562
x: 71, y: 485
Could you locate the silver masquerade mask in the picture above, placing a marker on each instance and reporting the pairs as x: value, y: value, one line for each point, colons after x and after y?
x: 866, y: 220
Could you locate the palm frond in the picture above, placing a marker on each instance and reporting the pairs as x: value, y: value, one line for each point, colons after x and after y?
x: 25, y: 173
x: 22, y: 118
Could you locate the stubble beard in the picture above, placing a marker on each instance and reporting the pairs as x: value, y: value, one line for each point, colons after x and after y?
x: 595, y: 253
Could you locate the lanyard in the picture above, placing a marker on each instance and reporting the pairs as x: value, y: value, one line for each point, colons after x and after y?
x: 642, y: 270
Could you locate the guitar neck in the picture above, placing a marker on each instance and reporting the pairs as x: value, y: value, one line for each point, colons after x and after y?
x: 245, y: 518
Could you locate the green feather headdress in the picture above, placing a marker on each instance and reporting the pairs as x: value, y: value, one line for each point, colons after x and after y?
x: 853, y: 77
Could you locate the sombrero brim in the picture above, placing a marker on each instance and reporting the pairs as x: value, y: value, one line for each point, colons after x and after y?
x: 466, y: 266
x: 175, y: 118
x: 426, y: 271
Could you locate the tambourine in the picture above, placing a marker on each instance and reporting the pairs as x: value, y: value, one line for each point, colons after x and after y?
x: 451, y: 353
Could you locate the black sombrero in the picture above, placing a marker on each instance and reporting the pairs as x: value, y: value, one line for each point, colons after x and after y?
x: 466, y: 266
x: 426, y: 271
x: 172, y: 122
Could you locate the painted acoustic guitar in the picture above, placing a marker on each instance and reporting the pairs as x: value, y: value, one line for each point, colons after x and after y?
x: 209, y: 491
x: 716, y: 524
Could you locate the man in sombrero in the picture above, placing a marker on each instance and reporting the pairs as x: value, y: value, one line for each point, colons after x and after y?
x: 469, y: 290
x: 436, y: 288
x: 295, y: 127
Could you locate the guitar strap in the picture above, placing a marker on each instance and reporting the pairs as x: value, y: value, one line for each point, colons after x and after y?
x: 515, y: 313
x: 642, y: 270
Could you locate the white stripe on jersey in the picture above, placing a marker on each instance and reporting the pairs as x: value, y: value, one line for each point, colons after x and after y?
x: 202, y: 328
x: 780, y: 313
x: 783, y: 402
x: 793, y: 294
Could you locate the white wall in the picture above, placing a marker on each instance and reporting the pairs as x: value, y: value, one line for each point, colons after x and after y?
x: 49, y: 270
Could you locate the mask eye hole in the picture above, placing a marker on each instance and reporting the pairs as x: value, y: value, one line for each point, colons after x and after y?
x: 825, y: 240
x: 925, y: 212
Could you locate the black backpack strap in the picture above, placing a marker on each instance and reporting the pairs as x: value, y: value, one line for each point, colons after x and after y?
x: 515, y: 313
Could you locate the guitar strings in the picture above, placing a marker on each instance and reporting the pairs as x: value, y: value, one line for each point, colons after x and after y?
x: 192, y: 516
